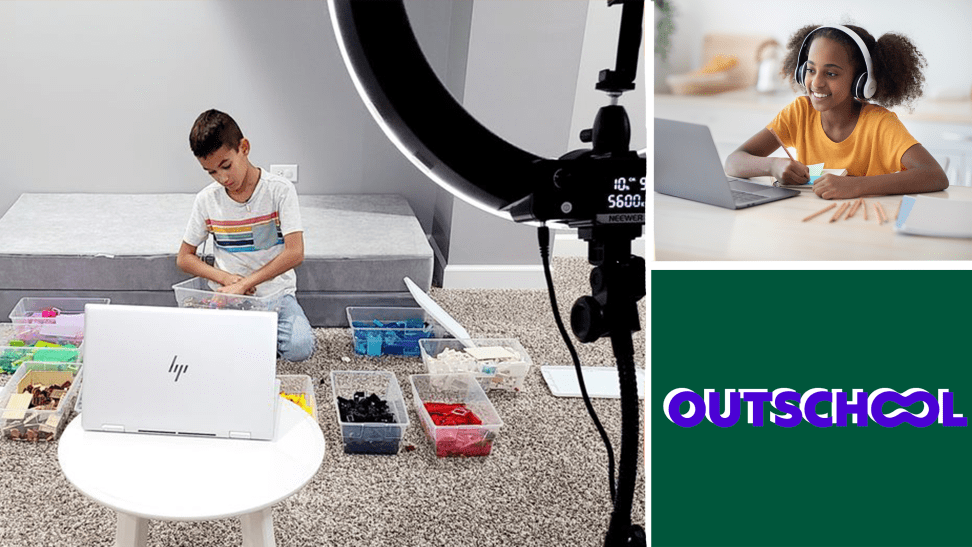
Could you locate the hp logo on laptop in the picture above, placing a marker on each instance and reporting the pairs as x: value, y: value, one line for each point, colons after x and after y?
x: 177, y: 369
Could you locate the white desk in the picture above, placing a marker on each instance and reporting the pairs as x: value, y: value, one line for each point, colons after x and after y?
x: 686, y: 230
x: 146, y: 477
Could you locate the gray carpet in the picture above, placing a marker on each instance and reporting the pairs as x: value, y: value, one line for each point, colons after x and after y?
x: 545, y: 482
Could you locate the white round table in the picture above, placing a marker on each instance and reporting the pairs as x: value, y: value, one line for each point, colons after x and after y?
x: 162, y: 477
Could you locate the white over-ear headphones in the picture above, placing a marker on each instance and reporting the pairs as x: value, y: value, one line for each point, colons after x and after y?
x: 864, y: 84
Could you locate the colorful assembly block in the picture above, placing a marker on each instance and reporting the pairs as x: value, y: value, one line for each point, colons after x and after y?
x: 392, y: 338
x: 60, y: 329
x: 458, y: 441
x: 360, y: 429
x: 29, y: 417
x: 221, y: 303
x: 18, y: 352
x: 299, y: 400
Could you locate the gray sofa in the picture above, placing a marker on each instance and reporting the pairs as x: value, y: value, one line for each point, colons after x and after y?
x: 357, y: 249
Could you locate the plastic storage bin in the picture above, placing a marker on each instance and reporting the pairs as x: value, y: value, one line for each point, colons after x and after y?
x: 58, y: 320
x: 391, y: 331
x: 460, y: 388
x: 20, y: 422
x: 297, y: 386
x: 370, y: 437
x: 196, y: 293
x: 11, y: 357
x: 498, y: 363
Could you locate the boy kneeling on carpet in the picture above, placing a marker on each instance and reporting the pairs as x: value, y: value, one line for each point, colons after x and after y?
x: 255, y: 222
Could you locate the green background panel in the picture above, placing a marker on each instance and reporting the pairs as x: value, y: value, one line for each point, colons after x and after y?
x: 776, y: 486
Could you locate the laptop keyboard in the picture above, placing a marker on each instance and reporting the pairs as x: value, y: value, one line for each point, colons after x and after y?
x: 745, y: 197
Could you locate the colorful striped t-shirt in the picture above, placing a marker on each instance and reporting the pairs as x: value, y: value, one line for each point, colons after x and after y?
x: 248, y: 235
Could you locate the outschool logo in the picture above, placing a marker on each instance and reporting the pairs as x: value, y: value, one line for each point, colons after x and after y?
x: 791, y: 407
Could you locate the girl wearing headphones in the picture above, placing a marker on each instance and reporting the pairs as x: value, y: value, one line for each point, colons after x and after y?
x: 851, y: 80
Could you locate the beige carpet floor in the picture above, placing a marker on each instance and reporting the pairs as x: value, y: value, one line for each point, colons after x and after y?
x: 545, y: 483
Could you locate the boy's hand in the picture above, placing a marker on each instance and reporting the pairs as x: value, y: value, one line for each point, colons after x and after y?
x: 234, y: 285
x: 788, y: 171
x: 830, y: 186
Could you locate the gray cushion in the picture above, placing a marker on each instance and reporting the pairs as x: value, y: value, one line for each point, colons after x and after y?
x: 357, y: 249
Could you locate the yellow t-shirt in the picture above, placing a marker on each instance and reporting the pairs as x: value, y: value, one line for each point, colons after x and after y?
x: 874, y: 147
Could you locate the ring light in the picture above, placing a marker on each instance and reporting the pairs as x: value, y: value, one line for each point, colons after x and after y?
x: 600, y: 191
x: 421, y: 117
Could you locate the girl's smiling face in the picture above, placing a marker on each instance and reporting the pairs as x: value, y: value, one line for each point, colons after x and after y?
x: 829, y: 74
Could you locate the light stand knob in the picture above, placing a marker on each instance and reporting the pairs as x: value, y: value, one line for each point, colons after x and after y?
x: 587, y: 319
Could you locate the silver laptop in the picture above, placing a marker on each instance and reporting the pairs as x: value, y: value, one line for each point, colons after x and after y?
x: 180, y: 371
x: 687, y: 166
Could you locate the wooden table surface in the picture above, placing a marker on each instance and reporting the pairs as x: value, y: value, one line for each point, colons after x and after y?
x: 687, y: 230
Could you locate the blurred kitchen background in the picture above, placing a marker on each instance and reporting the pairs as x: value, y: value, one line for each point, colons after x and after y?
x: 717, y: 63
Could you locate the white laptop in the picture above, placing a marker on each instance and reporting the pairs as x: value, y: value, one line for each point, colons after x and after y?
x: 180, y: 371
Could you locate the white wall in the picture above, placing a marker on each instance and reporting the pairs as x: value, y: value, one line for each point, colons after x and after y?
x: 520, y: 81
x: 599, y: 52
x: 939, y: 28
x: 99, y: 96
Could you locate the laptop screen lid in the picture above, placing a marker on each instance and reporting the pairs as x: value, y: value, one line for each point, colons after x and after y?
x: 180, y: 371
x: 687, y: 164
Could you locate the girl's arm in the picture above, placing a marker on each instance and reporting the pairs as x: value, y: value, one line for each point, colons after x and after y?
x: 749, y: 160
x: 922, y: 174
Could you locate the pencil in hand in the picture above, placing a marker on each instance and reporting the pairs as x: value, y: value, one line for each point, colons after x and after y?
x: 779, y: 140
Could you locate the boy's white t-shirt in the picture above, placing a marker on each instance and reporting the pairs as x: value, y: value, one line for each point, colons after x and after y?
x: 248, y: 235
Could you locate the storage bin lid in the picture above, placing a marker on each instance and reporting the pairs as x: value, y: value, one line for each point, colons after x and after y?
x: 439, y: 314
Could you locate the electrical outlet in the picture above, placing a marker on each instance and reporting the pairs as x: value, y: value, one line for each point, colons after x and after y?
x: 287, y: 171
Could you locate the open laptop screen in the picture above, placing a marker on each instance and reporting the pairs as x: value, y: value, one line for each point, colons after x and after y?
x: 179, y: 371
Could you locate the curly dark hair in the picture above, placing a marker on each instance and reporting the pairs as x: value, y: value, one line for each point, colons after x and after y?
x: 896, y: 62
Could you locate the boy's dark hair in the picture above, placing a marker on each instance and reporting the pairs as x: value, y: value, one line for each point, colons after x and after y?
x: 896, y: 62
x: 211, y: 131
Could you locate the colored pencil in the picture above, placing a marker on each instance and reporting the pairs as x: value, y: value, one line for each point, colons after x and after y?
x: 779, y: 140
x: 854, y: 208
x: 839, y: 212
x: 864, y: 206
x: 898, y: 210
x: 884, y: 215
x: 820, y: 212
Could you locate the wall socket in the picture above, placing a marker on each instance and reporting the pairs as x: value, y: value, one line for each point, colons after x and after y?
x: 287, y: 171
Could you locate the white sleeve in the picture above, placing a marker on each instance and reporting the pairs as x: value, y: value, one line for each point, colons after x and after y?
x: 289, y: 211
x: 196, y: 231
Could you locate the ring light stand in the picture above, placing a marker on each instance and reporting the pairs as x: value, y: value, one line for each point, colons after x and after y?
x: 601, y: 191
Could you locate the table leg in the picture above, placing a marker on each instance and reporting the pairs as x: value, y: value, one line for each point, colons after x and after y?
x: 258, y: 528
x: 132, y: 531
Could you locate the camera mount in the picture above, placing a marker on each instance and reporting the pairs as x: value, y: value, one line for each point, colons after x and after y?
x: 601, y: 191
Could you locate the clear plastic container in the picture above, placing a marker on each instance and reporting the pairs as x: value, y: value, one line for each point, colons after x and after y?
x: 459, y: 388
x: 297, y: 386
x: 59, y: 320
x: 391, y: 331
x: 197, y: 293
x: 370, y: 437
x: 12, y: 357
x: 37, y: 424
x: 498, y: 363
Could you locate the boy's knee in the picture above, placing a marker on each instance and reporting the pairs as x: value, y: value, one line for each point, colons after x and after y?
x: 300, y: 352
x: 301, y: 344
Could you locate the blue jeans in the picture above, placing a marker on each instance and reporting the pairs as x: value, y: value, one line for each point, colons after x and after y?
x: 295, y: 338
